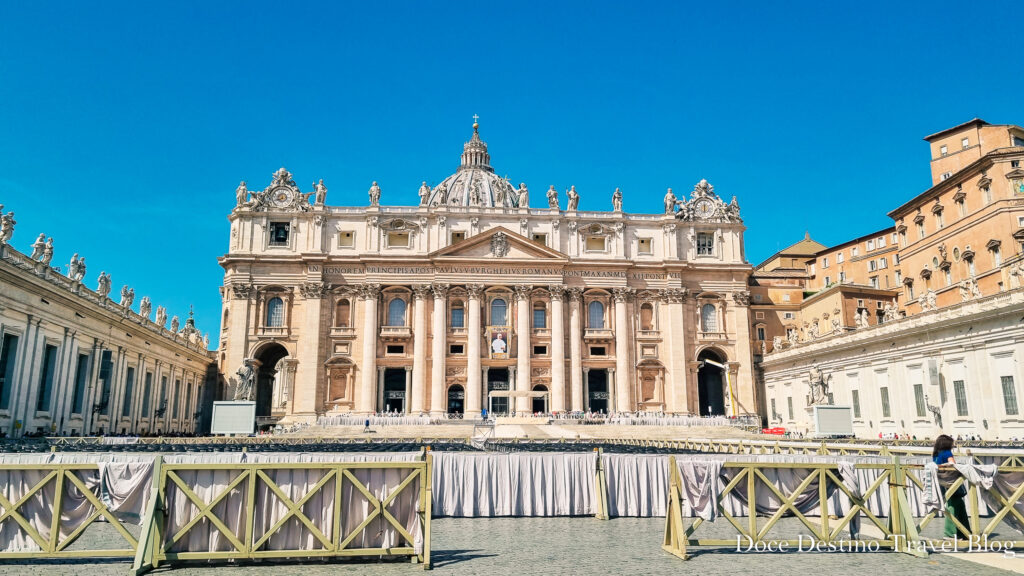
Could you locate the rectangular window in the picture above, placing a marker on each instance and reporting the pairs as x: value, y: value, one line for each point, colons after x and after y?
x: 828, y: 280
x: 595, y: 243
x: 147, y: 391
x: 874, y: 281
x: 788, y: 316
x: 644, y: 246
x: 939, y: 222
x: 986, y: 195
x: 189, y: 412
x: 920, y: 229
x: 839, y: 258
x: 943, y: 150
x: 177, y: 394
x: 872, y: 266
x: 881, y: 241
x: 346, y: 239
x: 774, y: 412
x: 458, y: 237
x: 394, y: 349
x: 789, y: 406
x: 824, y: 262
x: 540, y: 350
x: 398, y: 239
x: 541, y: 239
x: 46, y: 378
x: 961, y: 207
x: 884, y: 392
x: 997, y: 257
x: 760, y: 333
x: 854, y: 252
x: 960, y: 393
x: 458, y: 317
x: 965, y: 143
x: 759, y: 315
x: 855, y: 398
x: 946, y: 175
x: 705, y: 244
x: 456, y: 349
x: 81, y: 381
x: 1009, y: 395
x: 540, y: 319
x: 8, y: 354
x: 129, y: 389
x: 842, y: 277
x: 161, y: 401
x: 883, y: 263
x: 279, y: 233
x: 919, y: 400
x: 871, y: 244
x: 597, y: 351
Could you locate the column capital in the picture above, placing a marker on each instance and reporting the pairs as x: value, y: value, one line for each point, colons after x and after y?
x: 575, y: 293
x: 475, y: 290
x: 523, y: 291
x: 313, y: 290
x: 557, y: 291
x: 623, y: 294
x: 439, y: 290
x: 368, y: 291
x: 420, y: 291
x: 673, y: 295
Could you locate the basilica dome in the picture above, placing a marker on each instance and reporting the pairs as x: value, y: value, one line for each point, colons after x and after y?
x: 474, y: 183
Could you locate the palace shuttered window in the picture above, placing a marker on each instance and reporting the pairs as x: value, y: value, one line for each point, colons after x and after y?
x: 960, y: 393
x: 595, y: 315
x: 708, y: 318
x: 705, y: 244
x: 1009, y: 396
x: 884, y: 392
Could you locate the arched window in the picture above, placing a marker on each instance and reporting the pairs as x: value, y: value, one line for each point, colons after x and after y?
x: 499, y: 312
x: 396, y: 312
x: 275, y: 312
x: 224, y: 322
x: 342, y: 313
x: 458, y: 314
x: 540, y: 315
x: 709, y: 318
x: 646, y: 316
x: 595, y: 314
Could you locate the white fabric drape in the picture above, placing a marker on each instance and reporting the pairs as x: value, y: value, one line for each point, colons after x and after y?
x: 398, y: 420
x: 474, y: 485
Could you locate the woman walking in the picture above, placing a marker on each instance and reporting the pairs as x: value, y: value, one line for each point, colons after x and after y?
x: 942, y: 455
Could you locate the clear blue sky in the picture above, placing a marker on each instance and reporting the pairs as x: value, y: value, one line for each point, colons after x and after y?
x: 125, y: 127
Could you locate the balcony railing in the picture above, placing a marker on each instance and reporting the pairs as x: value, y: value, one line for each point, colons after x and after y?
x: 648, y: 334
x: 273, y: 331
x: 542, y: 331
x: 343, y: 332
x: 393, y: 332
x: 457, y: 331
x: 712, y: 336
x: 597, y: 334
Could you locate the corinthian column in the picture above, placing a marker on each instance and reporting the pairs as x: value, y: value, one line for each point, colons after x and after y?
x: 440, y: 333
x: 419, y: 349
x: 557, y: 350
x: 623, y: 382
x: 523, y: 345
x: 473, y: 391
x: 367, y: 392
x: 575, y: 350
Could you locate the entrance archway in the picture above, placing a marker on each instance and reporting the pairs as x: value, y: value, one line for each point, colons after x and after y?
x: 597, y: 391
x: 456, y: 399
x: 394, y: 390
x: 710, y: 392
x: 268, y: 357
x: 540, y: 403
x: 497, y: 380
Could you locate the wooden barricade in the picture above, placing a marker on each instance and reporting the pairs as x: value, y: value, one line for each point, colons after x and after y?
x: 896, y: 531
x: 60, y: 478
x: 157, y: 545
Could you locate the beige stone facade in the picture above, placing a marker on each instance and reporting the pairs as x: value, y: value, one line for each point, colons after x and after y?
x: 474, y: 300
x: 74, y: 362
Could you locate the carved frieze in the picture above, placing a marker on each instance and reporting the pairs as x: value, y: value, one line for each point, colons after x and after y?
x: 313, y: 290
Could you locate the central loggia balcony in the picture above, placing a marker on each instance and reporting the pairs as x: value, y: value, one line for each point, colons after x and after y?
x: 395, y: 333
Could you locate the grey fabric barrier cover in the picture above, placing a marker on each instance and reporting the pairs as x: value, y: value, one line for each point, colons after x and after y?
x: 122, y: 482
x: 484, y: 485
x: 295, y: 483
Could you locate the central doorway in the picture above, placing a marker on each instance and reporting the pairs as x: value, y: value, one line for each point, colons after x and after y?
x: 268, y: 358
x: 710, y: 392
x: 497, y: 381
x: 456, y: 399
x: 597, y: 391
x: 540, y: 403
x: 394, y: 390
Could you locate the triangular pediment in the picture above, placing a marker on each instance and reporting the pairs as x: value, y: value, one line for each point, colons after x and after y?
x: 498, y: 243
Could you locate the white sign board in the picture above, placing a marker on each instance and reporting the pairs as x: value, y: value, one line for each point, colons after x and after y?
x: 236, y: 417
x: 833, y: 421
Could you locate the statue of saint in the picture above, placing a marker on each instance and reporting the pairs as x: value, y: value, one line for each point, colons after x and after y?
x: 319, y: 193
x: 670, y: 202
x: 145, y: 307
x: 103, y: 285
x: 161, y: 316
x: 499, y: 193
x: 776, y: 343
x: 7, y: 223
x: 424, y: 193
x: 175, y: 323
x: 246, y: 381
x: 47, y: 252
x: 38, y: 246
x: 127, y: 296
x: 617, y: 200
x: 374, y: 195
x: 241, y: 194
x: 524, y: 196
x: 553, y: 198
x: 574, y: 198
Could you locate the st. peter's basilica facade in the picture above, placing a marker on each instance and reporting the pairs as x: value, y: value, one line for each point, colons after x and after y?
x: 473, y: 300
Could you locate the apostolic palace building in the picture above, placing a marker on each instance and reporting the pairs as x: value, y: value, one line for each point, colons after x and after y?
x: 475, y: 300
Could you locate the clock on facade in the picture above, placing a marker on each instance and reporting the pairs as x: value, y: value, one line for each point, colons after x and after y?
x: 282, y: 197
x: 704, y: 208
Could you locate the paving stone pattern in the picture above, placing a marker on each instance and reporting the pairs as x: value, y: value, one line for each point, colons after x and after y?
x: 551, y: 546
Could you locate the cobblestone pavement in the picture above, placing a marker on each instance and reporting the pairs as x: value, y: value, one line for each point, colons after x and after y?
x: 561, y: 546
